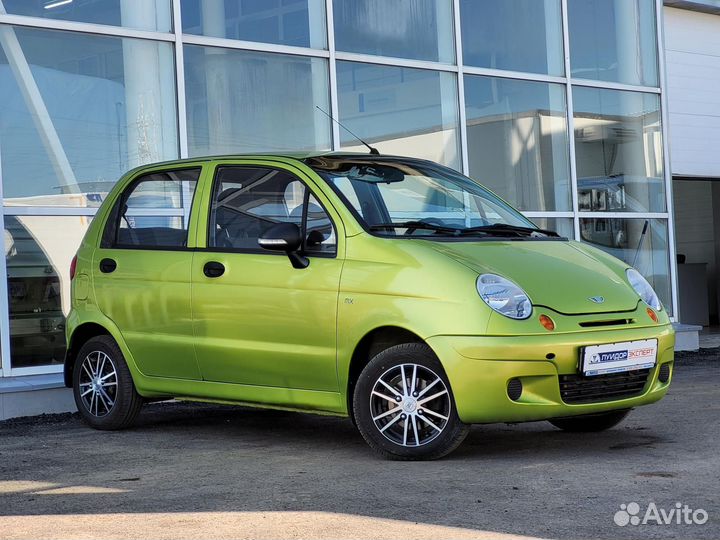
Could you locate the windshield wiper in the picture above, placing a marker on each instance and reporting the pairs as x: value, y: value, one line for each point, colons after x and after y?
x: 505, y: 229
x: 496, y: 229
x: 412, y: 226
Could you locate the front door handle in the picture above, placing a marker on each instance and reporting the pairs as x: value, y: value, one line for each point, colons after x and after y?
x: 213, y: 269
x: 107, y: 266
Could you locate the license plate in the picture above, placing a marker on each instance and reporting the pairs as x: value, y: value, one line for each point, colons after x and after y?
x: 618, y: 357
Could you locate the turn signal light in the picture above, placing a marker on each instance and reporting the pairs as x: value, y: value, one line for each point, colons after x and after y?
x: 547, y: 322
x: 652, y: 314
x: 73, y: 267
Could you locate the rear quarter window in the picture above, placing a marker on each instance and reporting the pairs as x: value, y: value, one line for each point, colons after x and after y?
x: 153, y: 212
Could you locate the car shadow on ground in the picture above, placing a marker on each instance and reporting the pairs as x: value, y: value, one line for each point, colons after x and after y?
x: 529, y: 479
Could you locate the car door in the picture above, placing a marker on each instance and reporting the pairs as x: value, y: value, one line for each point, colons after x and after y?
x: 142, y: 271
x: 258, y: 320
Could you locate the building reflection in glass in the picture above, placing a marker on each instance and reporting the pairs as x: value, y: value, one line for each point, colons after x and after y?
x: 38, y: 251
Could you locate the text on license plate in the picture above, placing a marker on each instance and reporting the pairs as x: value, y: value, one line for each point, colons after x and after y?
x: 617, y: 357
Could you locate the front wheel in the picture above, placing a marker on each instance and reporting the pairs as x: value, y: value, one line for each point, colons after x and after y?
x: 404, y: 407
x: 590, y: 422
x: 104, y: 391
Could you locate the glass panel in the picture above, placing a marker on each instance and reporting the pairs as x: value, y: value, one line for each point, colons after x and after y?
x: 410, y: 112
x: 614, y: 40
x: 618, y: 149
x: 240, y: 101
x: 320, y: 236
x: 76, y: 115
x: 417, y: 197
x: 642, y: 243
x: 140, y: 14
x: 519, y: 35
x: 562, y: 226
x: 286, y: 22
x: 156, y: 213
x: 38, y: 251
x: 247, y: 201
x: 518, y: 142
x: 416, y: 29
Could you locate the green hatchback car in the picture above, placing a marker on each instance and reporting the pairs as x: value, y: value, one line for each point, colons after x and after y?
x: 392, y: 290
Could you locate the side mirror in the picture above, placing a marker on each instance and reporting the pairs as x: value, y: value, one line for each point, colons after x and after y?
x: 315, y: 238
x: 285, y: 237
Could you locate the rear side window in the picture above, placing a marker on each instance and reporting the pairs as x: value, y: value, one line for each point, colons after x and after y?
x: 153, y: 212
x: 249, y: 200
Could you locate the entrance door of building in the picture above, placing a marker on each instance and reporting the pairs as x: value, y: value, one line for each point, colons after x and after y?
x: 697, y: 230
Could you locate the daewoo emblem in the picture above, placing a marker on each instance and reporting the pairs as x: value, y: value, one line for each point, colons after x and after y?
x: 597, y: 299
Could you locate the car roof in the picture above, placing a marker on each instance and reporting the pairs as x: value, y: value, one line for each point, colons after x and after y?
x: 299, y: 156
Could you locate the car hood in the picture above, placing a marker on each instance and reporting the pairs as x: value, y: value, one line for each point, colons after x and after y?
x: 561, y: 275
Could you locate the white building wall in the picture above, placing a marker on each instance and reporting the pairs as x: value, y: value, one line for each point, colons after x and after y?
x: 692, y: 50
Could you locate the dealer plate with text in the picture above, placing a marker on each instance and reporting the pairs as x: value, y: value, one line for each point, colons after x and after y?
x: 618, y: 357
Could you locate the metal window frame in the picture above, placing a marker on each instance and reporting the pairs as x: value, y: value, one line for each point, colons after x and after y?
x: 332, y: 78
x: 570, y: 119
x: 4, y: 306
x: 180, y: 80
x: 667, y: 169
x: 332, y: 55
x: 462, y: 113
x: 84, y: 27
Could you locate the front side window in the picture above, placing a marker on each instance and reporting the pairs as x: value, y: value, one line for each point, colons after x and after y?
x: 398, y: 197
x: 247, y: 201
x: 154, y: 212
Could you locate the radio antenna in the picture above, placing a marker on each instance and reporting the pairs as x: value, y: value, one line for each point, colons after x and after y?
x: 640, y: 242
x: 373, y: 151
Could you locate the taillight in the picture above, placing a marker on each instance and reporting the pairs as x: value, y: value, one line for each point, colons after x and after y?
x: 73, y: 267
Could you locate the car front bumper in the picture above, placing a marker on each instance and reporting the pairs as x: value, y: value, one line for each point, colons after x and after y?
x: 480, y: 367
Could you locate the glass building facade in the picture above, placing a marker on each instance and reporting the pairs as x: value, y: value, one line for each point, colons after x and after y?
x: 556, y: 105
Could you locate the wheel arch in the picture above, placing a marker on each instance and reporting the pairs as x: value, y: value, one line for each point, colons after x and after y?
x: 372, y: 343
x: 79, y: 337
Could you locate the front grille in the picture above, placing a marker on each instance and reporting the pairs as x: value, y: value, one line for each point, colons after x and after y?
x: 610, y: 322
x: 579, y: 389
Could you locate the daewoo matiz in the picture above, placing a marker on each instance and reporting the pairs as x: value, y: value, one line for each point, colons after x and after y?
x: 393, y: 290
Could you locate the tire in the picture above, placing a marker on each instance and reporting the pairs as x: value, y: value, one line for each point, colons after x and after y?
x: 117, y: 404
x: 590, y: 422
x: 402, y: 430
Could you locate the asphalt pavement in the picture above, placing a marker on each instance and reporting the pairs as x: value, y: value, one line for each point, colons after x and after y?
x: 206, y: 471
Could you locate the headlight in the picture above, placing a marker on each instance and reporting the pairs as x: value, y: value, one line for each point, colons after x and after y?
x: 644, y: 289
x: 503, y: 296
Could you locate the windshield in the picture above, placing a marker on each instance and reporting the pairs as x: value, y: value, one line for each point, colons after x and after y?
x: 397, y: 197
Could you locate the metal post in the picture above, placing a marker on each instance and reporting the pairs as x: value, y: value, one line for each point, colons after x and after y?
x: 180, y: 80
x: 462, y: 117
x: 570, y: 119
x: 334, y: 109
x: 4, y: 304
x: 662, y: 79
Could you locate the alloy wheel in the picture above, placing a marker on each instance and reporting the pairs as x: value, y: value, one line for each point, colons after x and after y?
x: 98, y: 383
x: 410, y: 405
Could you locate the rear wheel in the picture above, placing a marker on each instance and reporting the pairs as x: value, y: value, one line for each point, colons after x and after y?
x: 590, y: 422
x: 404, y: 407
x: 103, y: 388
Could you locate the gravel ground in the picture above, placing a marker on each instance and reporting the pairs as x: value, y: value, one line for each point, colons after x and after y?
x: 206, y: 471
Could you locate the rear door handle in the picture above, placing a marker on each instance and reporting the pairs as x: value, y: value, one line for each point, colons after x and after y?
x: 213, y: 269
x: 108, y: 266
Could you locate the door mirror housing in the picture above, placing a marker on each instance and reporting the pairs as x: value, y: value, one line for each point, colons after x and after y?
x: 285, y: 237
